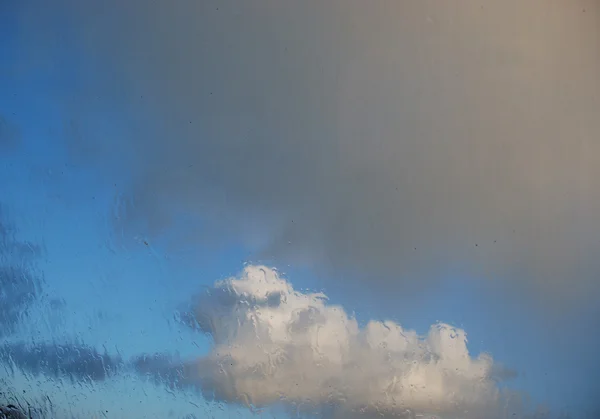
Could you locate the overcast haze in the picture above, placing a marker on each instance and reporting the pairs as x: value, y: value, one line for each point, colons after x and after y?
x: 412, y: 139
x: 389, y: 151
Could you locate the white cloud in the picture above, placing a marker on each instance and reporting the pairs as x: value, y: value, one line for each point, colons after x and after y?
x: 275, y: 344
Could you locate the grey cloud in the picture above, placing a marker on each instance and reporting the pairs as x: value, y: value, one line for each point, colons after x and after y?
x: 11, y: 412
x: 79, y: 362
x: 19, y: 281
x: 172, y: 371
x: 402, y: 140
x: 10, y: 135
x: 405, y: 140
x: 502, y: 373
x: 18, y: 294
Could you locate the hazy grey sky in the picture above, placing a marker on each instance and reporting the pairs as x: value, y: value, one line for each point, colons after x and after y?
x: 408, y: 139
x: 398, y: 143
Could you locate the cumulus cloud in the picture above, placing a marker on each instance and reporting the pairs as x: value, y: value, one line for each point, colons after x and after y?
x: 274, y: 345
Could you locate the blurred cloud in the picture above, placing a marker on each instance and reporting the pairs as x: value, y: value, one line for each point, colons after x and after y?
x: 10, y: 136
x: 19, y: 281
x: 11, y: 412
x: 275, y: 345
x: 397, y: 142
x: 77, y: 361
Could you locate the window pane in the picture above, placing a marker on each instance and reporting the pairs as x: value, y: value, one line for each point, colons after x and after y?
x: 299, y: 209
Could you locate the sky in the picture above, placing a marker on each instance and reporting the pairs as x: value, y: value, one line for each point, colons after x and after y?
x: 300, y: 209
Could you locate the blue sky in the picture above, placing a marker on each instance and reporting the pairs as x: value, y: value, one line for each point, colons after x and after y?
x: 120, y: 278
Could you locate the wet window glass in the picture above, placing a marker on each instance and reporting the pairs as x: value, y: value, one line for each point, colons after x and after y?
x: 316, y: 209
